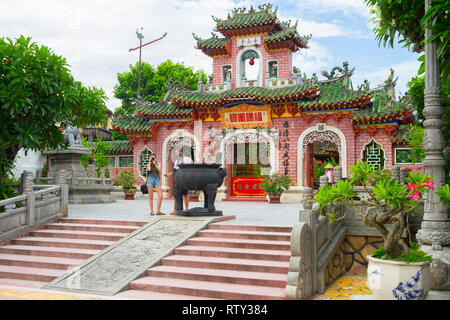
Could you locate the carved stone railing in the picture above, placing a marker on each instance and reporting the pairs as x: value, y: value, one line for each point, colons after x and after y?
x: 283, y: 82
x: 249, y: 83
x: 215, y: 87
x: 37, y: 205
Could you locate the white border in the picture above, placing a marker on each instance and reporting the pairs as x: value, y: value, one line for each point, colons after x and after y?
x: 342, y: 155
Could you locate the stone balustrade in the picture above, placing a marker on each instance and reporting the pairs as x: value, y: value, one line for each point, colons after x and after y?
x: 283, y: 82
x: 215, y: 87
x: 37, y: 205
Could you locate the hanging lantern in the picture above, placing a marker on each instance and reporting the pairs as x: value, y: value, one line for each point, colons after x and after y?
x: 319, y: 163
x: 252, y: 61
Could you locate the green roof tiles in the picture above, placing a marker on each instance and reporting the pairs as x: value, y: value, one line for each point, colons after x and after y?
x: 333, y: 93
x: 116, y: 146
x: 213, y: 42
x: 162, y: 109
x: 269, y: 95
x: 242, y: 20
x: 133, y: 124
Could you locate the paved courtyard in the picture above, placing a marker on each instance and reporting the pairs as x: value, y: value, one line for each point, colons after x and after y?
x: 257, y: 213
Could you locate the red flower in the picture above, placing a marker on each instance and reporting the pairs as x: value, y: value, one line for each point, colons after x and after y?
x: 46, y: 164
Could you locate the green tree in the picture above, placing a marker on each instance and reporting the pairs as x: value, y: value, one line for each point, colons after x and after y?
x: 38, y: 95
x: 153, y: 81
x: 403, y: 21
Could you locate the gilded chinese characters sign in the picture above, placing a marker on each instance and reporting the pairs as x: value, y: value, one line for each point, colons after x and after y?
x: 245, y: 116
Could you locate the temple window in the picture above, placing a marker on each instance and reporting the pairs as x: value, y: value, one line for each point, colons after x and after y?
x: 374, y: 155
x: 111, y: 162
x: 273, y: 69
x: 127, y: 162
x: 405, y: 156
x: 226, y: 73
x: 143, y: 160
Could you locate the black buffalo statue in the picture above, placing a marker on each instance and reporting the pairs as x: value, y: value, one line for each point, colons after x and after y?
x: 198, y: 176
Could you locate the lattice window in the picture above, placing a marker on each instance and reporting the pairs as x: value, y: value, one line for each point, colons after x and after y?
x: 144, y: 157
x: 112, y: 161
x: 127, y: 162
x: 374, y: 155
x: 273, y: 70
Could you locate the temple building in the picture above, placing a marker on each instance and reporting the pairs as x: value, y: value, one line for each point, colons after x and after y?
x: 259, y: 115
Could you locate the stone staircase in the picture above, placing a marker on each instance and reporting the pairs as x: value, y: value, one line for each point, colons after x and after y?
x: 225, y: 261
x: 44, y: 254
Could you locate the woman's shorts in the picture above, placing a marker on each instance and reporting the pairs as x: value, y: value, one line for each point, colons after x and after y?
x: 154, y: 182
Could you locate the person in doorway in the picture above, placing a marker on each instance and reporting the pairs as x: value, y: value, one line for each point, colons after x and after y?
x: 181, y: 158
x: 153, y: 181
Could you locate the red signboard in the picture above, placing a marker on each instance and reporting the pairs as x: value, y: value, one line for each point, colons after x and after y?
x: 246, y: 186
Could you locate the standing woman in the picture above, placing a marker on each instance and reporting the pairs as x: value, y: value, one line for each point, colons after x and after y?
x: 153, y: 181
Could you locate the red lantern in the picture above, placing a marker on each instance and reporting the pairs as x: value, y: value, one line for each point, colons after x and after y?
x: 319, y: 163
x: 251, y: 62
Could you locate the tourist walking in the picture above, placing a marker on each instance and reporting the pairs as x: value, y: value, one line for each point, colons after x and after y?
x: 181, y: 158
x: 153, y: 181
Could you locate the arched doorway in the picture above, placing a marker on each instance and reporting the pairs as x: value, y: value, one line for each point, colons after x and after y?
x: 323, y: 144
x: 249, y: 156
x: 180, y: 139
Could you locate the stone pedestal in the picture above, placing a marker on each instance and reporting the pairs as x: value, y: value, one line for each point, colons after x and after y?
x: 80, y: 191
x: 69, y: 160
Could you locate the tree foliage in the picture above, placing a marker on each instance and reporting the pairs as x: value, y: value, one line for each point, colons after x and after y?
x: 404, y: 21
x: 38, y: 96
x: 153, y: 81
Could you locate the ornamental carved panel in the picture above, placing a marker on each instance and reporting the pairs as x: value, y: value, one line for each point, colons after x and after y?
x: 321, y: 137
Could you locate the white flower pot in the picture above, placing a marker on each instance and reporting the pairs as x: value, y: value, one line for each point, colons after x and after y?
x: 395, y: 280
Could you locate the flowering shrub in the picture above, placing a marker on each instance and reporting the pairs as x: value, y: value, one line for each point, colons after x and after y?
x: 389, y: 202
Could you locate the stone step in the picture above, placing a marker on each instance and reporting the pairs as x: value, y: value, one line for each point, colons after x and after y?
x: 108, y: 236
x: 63, y: 243
x: 48, y: 251
x: 104, y: 222
x: 236, y: 253
x: 226, y: 264
x: 217, y: 226
x: 20, y: 260
x: 18, y: 283
x: 149, y: 295
x: 217, y: 275
x: 242, y: 234
x: 240, y: 243
x: 208, y: 289
x: 90, y: 227
x: 29, y: 273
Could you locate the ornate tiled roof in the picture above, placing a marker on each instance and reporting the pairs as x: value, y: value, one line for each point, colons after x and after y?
x: 264, y: 20
x: 132, y: 125
x: 161, y: 110
x: 214, y: 46
x: 335, y: 95
x: 286, y: 38
x: 116, y: 146
x: 256, y: 94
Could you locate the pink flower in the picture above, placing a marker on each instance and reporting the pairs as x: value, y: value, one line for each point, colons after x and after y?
x: 411, y: 186
x: 415, y: 196
x: 430, y: 184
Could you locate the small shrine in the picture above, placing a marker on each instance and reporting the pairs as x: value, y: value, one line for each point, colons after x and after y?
x: 259, y: 115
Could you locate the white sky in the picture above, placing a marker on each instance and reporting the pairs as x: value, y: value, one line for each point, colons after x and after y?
x: 95, y: 35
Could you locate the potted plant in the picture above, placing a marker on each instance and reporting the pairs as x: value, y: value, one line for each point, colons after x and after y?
x: 274, y: 186
x: 396, y: 270
x: 127, y: 181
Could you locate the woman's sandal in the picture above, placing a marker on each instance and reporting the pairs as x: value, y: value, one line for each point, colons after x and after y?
x: 160, y: 214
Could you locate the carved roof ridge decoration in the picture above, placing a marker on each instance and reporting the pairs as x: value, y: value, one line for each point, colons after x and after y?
x: 263, y: 95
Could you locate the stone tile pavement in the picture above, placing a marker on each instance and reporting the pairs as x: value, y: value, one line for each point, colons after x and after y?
x: 258, y: 213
